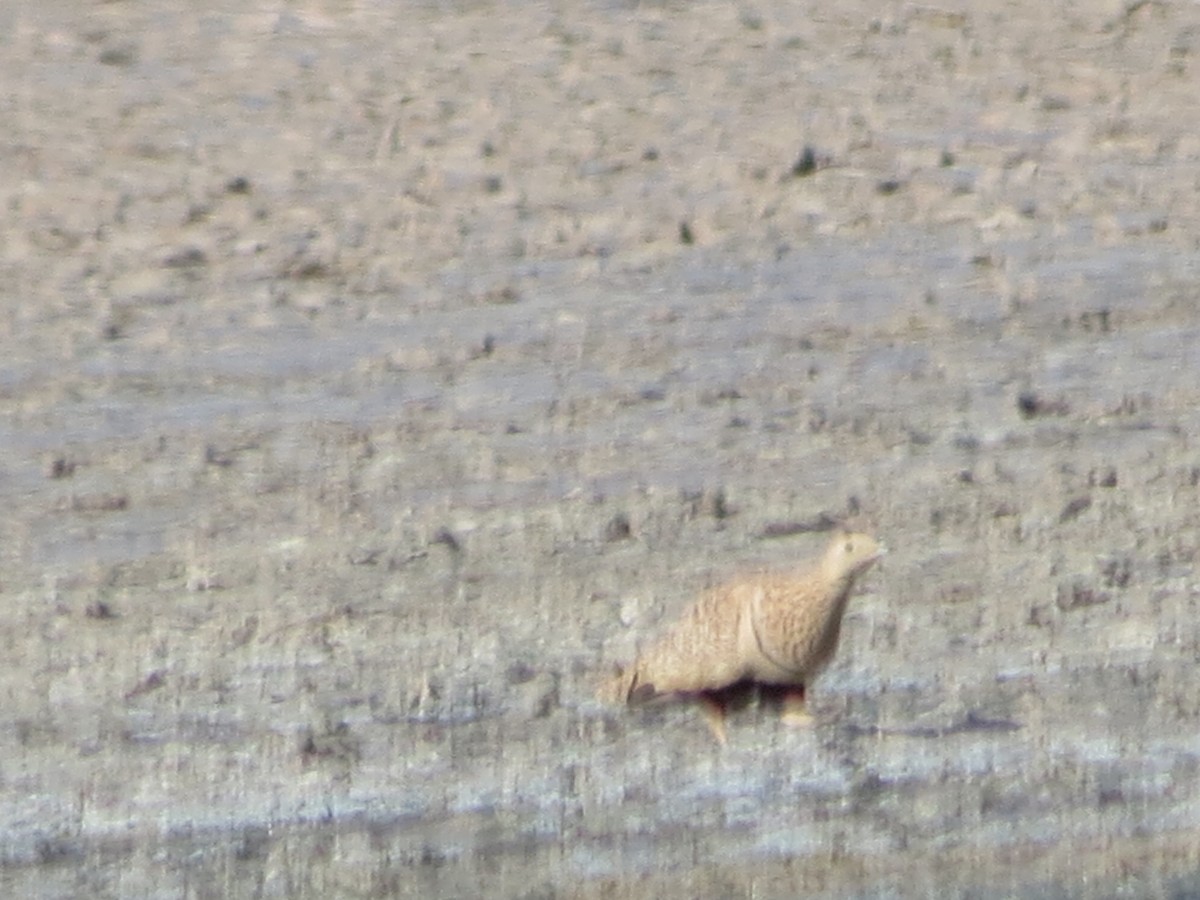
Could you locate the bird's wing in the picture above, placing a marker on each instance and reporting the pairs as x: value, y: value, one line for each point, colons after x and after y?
x: 700, y: 652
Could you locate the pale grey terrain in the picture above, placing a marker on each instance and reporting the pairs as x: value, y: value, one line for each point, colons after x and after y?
x: 374, y: 377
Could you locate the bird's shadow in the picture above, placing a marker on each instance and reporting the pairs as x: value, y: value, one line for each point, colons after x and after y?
x: 734, y: 698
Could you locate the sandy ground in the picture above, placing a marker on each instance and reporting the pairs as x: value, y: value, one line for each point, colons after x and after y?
x: 375, y: 374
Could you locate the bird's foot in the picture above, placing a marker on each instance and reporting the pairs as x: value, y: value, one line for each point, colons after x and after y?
x: 713, y: 709
x: 793, y: 710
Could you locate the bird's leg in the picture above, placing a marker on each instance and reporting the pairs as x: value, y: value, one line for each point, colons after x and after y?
x: 712, y: 706
x: 793, y: 710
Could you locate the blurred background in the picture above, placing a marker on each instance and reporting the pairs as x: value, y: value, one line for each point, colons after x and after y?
x: 374, y: 377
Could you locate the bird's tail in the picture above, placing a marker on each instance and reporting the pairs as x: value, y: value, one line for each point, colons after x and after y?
x: 626, y: 684
x: 617, y: 686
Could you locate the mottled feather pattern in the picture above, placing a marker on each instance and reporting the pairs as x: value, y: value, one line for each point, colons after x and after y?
x: 775, y: 629
x: 798, y: 622
x: 699, y: 653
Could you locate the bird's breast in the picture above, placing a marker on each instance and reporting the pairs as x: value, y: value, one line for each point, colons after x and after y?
x: 766, y: 657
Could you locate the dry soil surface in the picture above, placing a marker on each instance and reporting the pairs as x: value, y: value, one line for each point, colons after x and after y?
x: 374, y: 375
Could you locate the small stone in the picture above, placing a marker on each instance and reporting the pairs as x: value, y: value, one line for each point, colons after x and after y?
x: 1074, y: 509
x: 59, y: 467
x: 98, y: 609
x: 806, y: 164
x: 1077, y: 595
x: 630, y: 611
x: 618, y: 528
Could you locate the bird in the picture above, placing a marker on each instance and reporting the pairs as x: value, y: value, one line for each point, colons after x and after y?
x: 773, y: 632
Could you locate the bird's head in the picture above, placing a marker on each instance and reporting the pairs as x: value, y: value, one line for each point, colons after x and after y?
x: 850, y: 554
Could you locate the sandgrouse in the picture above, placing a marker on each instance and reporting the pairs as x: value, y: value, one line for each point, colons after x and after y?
x: 774, y: 631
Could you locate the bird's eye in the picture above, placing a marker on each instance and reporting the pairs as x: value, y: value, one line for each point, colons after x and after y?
x: 849, y: 546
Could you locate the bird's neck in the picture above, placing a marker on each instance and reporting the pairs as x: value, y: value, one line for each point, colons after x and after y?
x: 840, y: 584
x: 837, y: 576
